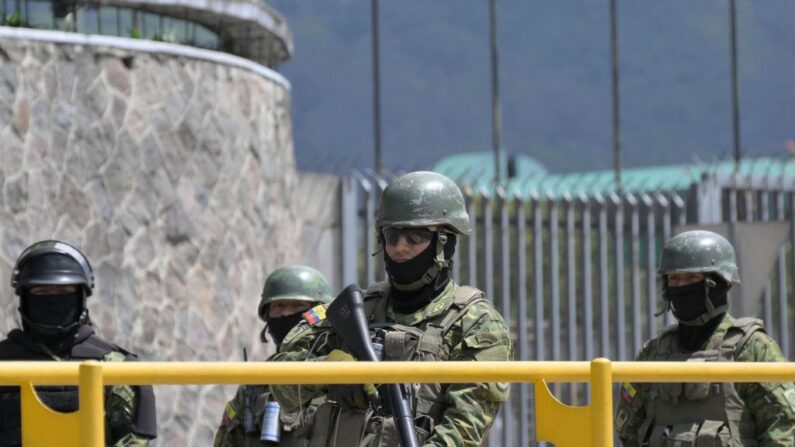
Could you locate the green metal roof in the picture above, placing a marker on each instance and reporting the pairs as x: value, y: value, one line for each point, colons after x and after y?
x: 462, y: 167
x: 470, y: 171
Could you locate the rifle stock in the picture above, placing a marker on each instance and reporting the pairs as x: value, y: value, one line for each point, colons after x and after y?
x: 346, y: 315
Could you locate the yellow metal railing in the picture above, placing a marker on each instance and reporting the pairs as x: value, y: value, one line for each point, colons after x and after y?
x: 86, y: 427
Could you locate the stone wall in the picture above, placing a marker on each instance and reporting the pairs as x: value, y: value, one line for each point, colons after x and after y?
x: 174, y: 175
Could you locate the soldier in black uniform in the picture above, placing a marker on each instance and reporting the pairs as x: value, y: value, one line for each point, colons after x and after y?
x: 53, y: 280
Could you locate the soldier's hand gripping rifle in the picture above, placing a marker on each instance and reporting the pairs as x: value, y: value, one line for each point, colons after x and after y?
x: 346, y: 315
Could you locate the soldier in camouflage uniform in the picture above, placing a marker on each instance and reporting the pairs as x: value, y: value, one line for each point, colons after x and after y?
x: 288, y: 292
x: 53, y: 280
x: 426, y: 316
x: 698, y: 268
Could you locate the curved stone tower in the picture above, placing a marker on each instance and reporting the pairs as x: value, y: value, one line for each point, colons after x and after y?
x: 171, y: 166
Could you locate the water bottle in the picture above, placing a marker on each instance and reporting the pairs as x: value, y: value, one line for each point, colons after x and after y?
x: 271, y: 427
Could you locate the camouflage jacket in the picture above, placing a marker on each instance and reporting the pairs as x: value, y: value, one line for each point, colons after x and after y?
x: 463, y: 412
x: 770, y: 407
x: 232, y: 432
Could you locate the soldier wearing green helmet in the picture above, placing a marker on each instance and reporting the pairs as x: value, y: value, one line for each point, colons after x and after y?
x: 423, y: 315
x: 288, y: 293
x: 698, y: 268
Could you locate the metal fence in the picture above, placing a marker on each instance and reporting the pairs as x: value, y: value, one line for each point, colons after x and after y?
x: 574, y: 275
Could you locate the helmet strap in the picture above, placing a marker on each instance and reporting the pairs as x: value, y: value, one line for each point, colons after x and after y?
x: 439, y: 263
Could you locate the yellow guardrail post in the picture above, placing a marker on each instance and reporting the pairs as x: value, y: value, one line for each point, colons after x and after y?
x: 601, y: 403
x: 92, y: 420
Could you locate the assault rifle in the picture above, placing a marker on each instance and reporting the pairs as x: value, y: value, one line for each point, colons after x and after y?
x: 346, y: 315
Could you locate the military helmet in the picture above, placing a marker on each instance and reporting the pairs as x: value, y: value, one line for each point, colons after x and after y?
x: 700, y: 252
x: 294, y: 282
x: 423, y: 199
x: 52, y: 263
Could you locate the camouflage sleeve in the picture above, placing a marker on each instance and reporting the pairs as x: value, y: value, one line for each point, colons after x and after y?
x: 230, y: 432
x: 772, y: 405
x: 471, y: 408
x: 121, y: 408
x: 296, y: 347
x: 630, y: 410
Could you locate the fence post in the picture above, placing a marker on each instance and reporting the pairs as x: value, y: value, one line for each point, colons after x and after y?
x: 538, y: 277
x: 524, y: 348
x: 602, y: 403
x: 587, y: 275
x: 708, y: 200
x: 618, y: 202
x: 92, y: 421
x: 651, y: 263
x: 349, y: 220
x: 604, y: 305
x: 634, y: 244
x: 369, y: 223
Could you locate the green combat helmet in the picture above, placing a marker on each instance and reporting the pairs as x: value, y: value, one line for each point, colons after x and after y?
x: 294, y: 282
x: 424, y: 199
x: 700, y: 252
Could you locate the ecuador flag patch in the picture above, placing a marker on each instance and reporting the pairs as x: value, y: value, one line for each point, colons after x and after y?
x: 628, y: 392
x: 315, y: 315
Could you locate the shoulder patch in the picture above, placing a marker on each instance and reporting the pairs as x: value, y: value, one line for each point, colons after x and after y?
x: 628, y: 392
x: 315, y: 315
x: 229, y: 415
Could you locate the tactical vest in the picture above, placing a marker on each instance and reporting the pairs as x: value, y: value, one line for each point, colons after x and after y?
x: 60, y: 398
x: 295, y: 427
x: 339, y: 427
x: 696, y: 414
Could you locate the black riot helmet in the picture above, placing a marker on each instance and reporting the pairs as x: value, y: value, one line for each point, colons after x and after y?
x: 52, y: 263
x: 50, y: 315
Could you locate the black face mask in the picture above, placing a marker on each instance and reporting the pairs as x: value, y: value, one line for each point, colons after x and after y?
x: 279, y: 327
x: 409, y: 271
x: 407, y: 302
x: 688, y: 302
x: 52, y: 318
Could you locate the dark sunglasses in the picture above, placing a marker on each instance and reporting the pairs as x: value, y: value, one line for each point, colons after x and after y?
x: 413, y: 236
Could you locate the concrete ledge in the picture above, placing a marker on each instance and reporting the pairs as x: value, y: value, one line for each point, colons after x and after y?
x: 144, y: 46
x: 242, y: 20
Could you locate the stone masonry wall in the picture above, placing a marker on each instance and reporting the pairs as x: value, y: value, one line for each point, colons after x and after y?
x: 174, y: 176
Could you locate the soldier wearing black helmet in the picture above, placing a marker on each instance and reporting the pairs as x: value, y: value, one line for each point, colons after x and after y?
x: 53, y: 280
x: 288, y: 293
x: 698, y: 268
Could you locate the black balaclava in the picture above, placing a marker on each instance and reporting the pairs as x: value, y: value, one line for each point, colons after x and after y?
x: 52, y: 319
x: 407, y: 302
x: 279, y: 327
x: 689, y: 302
